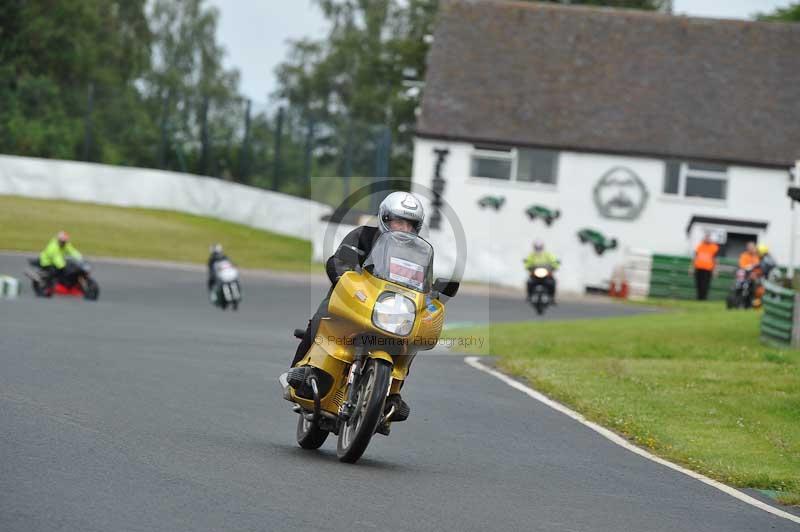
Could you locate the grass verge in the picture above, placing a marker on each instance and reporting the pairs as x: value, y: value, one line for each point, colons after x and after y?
x: 100, y: 230
x: 692, y: 384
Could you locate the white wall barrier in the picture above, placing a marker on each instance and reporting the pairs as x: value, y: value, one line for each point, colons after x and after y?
x: 9, y: 287
x: 637, y: 266
x: 158, y: 189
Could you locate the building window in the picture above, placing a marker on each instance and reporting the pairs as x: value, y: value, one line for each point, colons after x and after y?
x: 696, y: 180
x: 492, y: 163
x: 537, y: 166
x: 672, y: 177
x: 512, y: 164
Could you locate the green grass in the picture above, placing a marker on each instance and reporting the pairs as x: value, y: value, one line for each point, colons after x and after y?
x: 99, y: 230
x: 693, y: 384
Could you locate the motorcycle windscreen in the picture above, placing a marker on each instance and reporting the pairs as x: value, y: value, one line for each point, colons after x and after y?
x: 402, y: 258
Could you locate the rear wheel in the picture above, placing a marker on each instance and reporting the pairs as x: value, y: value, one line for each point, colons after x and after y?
x: 309, y: 435
x: 355, y: 435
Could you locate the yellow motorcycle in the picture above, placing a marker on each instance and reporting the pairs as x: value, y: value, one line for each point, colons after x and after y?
x: 378, y: 319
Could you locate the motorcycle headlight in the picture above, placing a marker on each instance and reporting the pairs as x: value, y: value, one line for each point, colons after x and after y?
x: 541, y: 273
x: 394, y: 313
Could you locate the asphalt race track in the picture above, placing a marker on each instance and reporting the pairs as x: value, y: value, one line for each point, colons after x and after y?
x: 151, y: 410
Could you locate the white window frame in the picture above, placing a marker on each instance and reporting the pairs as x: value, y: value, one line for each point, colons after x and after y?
x: 513, y: 155
x: 497, y: 155
x: 684, y: 172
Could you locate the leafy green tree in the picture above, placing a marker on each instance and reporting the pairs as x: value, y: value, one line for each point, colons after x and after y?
x: 200, y: 109
x: 790, y: 13
x: 360, y: 79
x: 48, y: 64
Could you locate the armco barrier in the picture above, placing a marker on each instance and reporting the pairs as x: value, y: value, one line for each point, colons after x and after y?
x: 670, y: 277
x: 778, y: 321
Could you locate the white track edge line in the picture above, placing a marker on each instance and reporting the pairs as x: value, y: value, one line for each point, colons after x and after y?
x: 622, y: 442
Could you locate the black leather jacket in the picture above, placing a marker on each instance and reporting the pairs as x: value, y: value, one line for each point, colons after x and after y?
x: 361, y: 238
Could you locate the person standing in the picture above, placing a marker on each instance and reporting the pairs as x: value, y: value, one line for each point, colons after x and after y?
x: 749, y: 258
x: 705, y: 262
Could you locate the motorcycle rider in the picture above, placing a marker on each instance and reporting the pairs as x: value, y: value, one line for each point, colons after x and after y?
x: 540, y: 257
x: 53, y: 258
x: 766, y: 262
x: 216, y: 256
x: 399, y: 211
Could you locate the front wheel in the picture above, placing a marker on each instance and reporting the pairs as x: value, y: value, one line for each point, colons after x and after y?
x: 540, y: 305
x: 309, y: 435
x: 356, y: 433
x: 37, y: 288
x: 92, y: 290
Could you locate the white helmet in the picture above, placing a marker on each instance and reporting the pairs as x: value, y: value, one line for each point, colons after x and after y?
x: 403, y: 205
x: 216, y: 249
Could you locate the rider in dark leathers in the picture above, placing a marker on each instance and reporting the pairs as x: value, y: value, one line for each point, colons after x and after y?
x: 400, y: 211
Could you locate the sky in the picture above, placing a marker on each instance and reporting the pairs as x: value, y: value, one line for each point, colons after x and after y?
x: 255, y: 33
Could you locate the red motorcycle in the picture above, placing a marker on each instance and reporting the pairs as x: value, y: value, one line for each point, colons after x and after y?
x: 74, y: 280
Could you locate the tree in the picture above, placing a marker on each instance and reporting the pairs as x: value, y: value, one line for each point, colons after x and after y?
x: 355, y: 83
x: 790, y: 13
x: 200, y: 109
x: 351, y: 84
x: 49, y: 62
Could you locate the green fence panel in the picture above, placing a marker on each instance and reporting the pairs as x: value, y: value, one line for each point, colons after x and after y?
x: 671, y: 277
x: 777, y: 321
x: 775, y: 335
x: 777, y: 313
x: 780, y: 304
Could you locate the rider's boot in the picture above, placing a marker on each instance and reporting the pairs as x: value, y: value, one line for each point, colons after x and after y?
x: 395, y: 409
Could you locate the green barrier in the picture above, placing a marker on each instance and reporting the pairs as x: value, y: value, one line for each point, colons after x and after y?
x: 777, y: 322
x: 671, y: 277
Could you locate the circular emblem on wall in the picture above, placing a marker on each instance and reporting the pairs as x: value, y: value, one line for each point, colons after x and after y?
x: 620, y: 194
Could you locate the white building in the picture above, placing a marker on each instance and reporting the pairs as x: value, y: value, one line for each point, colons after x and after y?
x: 646, y: 128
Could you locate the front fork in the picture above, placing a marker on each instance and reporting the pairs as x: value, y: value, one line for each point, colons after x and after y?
x: 353, y: 379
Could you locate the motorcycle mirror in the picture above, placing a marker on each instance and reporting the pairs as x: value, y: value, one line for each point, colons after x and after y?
x: 446, y: 286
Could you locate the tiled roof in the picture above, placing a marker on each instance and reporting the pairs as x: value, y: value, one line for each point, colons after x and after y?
x: 614, y: 80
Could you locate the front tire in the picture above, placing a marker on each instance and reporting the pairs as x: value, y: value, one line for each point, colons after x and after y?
x: 37, y: 289
x: 309, y: 435
x: 92, y: 290
x: 355, y: 435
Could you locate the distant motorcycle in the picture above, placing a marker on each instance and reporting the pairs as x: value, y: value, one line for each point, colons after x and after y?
x: 743, y: 291
x: 225, y: 291
x: 540, y: 283
x: 75, y: 280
